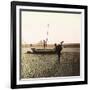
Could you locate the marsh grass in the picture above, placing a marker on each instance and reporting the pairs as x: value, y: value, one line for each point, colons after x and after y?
x: 47, y: 65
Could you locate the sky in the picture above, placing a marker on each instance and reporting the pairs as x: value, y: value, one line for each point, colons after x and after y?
x: 62, y: 27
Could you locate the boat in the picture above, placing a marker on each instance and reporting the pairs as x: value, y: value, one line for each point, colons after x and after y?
x: 43, y: 51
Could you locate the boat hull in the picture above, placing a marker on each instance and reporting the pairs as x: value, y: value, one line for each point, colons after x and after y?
x: 42, y: 51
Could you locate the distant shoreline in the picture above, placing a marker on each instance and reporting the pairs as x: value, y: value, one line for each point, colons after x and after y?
x: 66, y: 45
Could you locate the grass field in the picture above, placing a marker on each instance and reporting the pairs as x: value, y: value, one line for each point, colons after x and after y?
x: 46, y: 65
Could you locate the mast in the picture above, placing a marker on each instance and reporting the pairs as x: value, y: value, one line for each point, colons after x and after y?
x: 45, y: 41
x: 47, y: 33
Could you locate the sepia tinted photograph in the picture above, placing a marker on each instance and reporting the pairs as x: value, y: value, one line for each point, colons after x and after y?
x: 49, y: 44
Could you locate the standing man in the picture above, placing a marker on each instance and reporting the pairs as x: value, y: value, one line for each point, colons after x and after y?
x: 44, y: 43
x: 58, y: 50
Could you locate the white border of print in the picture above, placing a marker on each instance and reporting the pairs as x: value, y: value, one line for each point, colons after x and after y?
x: 51, y: 79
